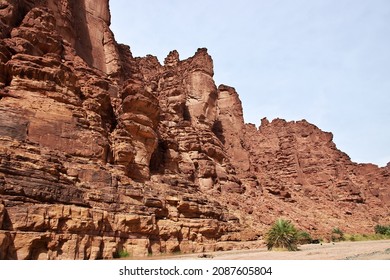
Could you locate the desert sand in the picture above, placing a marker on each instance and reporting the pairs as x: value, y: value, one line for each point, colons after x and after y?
x: 362, y: 250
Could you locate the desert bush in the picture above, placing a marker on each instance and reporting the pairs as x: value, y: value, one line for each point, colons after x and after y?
x: 304, y: 237
x: 379, y: 229
x: 337, y: 235
x: 355, y: 237
x: 123, y: 254
x: 283, y: 235
x: 365, y: 237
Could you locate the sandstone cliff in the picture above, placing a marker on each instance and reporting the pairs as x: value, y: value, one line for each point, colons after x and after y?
x: 102, y: 152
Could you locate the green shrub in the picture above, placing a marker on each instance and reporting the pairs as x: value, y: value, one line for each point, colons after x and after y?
x: 123, y: 254
x: 365, y: 237
x: 337, y: 235
x: 304, y: 237
x: 354, y: 237
x: 283, y: 235
x: 379, y: 229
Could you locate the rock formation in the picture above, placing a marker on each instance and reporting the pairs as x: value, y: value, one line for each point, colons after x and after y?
x: 103, y: 152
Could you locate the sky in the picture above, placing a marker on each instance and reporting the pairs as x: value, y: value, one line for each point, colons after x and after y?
x: 326, y: 61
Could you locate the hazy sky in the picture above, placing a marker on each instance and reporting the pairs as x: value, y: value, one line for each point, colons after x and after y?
x: 326, y: 61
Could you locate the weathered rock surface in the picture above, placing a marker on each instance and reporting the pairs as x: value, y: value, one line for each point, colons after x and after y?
x: 306, y: 178
x: 101, y: 152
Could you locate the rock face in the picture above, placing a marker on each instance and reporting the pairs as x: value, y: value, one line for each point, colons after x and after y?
x: 101, y: 152
x: 306, y: 178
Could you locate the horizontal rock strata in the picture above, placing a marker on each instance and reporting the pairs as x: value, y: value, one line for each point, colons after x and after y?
x: 103, y: 153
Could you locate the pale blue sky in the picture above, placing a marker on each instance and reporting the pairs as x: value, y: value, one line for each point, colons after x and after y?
x: 326, y: 61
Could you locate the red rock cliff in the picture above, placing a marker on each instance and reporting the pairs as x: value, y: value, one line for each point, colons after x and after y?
x: 101, y: 152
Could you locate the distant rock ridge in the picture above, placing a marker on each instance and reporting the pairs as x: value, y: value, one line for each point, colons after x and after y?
x: 102, y: 152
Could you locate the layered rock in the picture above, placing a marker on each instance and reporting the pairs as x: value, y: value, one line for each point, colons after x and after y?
x: 101, y: 152
x: 230, y: 125
x: 306, y: 178
x: 77, y: 137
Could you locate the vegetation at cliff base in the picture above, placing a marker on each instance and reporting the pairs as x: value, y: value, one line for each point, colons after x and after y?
x: 385, y: 230
x: 304, y: 237
x: 337, y: 235
x: 121, y: 254
x: 282, y: 235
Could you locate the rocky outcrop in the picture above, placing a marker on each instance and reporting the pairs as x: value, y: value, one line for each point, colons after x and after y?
x: 77, y: 138
x: 102, y: 152
x: 306, y: 178
x: 229, y: 127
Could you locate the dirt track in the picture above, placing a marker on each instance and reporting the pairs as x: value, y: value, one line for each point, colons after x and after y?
x: 363, y: 250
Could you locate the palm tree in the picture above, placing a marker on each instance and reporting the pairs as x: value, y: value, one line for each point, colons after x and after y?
x: 283, y: 235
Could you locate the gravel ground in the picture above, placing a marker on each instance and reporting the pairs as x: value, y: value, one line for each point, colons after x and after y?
x: 362, y: 250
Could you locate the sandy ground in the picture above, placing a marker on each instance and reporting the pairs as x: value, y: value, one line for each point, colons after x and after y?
x: 362, y: 250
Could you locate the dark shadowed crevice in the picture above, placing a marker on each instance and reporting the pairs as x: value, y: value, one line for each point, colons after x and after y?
x: 7, y: 223
x: 109, y: 122
x: 113, y: 120
x: 218, y: 131
x: 18, y: 14
x: 109, y: 155
x: 8, y: 251
x: 108, y: 116
x: 157, y: 161
x: 38, y: 247
x: 8, y: 79
x: 186, y: 113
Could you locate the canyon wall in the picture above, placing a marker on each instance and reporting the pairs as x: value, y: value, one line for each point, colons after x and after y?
x: 102, y: 152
